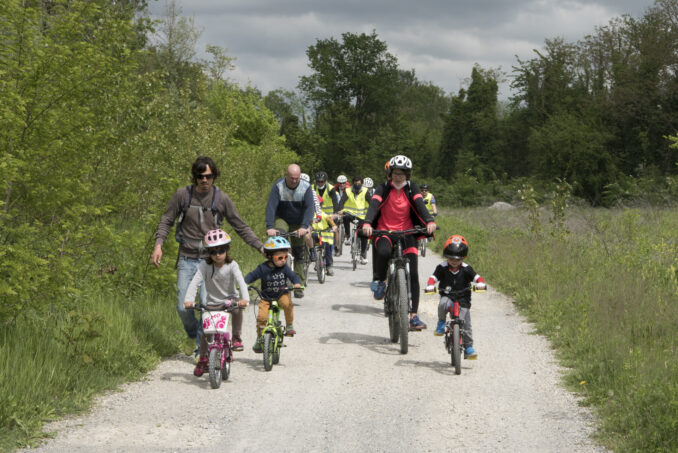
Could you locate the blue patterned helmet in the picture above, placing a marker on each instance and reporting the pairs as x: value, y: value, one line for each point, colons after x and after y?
x: 276, y: 243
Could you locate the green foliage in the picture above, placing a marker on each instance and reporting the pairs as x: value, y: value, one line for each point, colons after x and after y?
x: 605, y: 296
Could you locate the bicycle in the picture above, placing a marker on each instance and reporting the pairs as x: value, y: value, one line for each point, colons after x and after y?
x: 355, y: 241
x: 214, y: 327
x: 454, y: 327
x: 424, y: 242
x: 319, y: 252
x: 398, y: 295
x: 340, y: 238
x: 273, y: 333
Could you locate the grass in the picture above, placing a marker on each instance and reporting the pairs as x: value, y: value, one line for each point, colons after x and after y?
x: 604, y: 290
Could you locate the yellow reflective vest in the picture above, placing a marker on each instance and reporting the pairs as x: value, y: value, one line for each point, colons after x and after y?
x: 325, y: 223
x: 356, y: 204
x: 427, y: 202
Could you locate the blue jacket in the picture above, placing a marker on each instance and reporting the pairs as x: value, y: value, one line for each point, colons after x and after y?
x: 294, y: 206
x: 273, y: 279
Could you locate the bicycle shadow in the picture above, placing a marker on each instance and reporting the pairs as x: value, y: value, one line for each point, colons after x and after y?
x: 359, y: 309
x: 189, y: 378
x: 256, y: 364
x: 443, y: 368
x: 361, y: 284
x: 378, y: 344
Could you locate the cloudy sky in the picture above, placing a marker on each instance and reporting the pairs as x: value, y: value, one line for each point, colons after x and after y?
x: 440, y: 39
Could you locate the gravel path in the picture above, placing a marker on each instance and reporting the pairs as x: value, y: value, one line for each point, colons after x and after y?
x: 342, y: 386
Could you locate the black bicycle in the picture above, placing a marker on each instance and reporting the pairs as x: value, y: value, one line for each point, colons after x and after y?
x: 355, y: 240
x: 398, y: 295
x: 319, y: 252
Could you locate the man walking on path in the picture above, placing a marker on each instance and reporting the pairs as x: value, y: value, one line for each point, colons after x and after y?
x: 199, y: 208
x: 291, y: 207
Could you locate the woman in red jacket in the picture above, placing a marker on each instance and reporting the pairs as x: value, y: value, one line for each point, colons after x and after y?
x: 397, y: 204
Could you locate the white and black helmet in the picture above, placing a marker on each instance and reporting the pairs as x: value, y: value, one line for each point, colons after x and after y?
x: 305, y: 177
x: 341, y: 179
x: 400, y: 162
x: 367, y: 182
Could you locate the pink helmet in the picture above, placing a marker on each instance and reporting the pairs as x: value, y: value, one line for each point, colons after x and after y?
x: 215, y: 238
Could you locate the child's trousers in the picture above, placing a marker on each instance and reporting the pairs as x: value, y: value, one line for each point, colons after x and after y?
x: 464, y: 314
x: 285, y: 302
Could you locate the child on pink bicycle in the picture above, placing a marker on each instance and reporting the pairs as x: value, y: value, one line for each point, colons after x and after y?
x: 455, y: 275
x: 220, y: 274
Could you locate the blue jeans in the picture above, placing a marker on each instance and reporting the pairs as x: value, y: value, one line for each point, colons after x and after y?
x: 186, y: 269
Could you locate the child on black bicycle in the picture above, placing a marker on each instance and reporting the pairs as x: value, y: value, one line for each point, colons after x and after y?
x: 274, y: 274
x: 220, y: 274
x: 455, y: 275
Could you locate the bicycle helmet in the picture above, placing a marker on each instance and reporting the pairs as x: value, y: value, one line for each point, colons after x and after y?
x: 400, y: 162
x: 305, y: 177
x: 367, y: 182
x: 215, y: 238
x: 424, y: 187
x: 455, y: 247
x: 341, y: 179
x: 274, y: 243
x: 320, y: 176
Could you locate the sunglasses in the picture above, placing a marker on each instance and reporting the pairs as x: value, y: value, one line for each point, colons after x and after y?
x: 218, y: 250
x: 280, y: 257
x: 205, y: 176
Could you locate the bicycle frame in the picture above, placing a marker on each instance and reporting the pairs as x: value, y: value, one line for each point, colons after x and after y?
x: 273, y: 328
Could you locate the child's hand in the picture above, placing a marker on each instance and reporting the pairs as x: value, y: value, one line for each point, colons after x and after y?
x: 242, y: 303
x: 189, y: 304
x: 481, y: 286
x: 430, y: 289
x: 297, y: 285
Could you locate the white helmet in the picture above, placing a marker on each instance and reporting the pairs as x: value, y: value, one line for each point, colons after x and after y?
x: 400, y: 162
x: 341, y: 179
x: 305, y: 177
x: 367, y: 182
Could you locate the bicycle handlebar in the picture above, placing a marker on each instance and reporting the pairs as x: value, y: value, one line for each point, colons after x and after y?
x: 229, y: 308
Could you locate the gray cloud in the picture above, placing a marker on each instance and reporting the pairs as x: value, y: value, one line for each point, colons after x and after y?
x: 440, y: 40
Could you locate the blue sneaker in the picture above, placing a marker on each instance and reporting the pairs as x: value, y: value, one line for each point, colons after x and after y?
x: 416, y: 323
x: 470, y: 353
x: 440, y: 329
x: 378, y: 288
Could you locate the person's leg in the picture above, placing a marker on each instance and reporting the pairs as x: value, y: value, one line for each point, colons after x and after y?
x: 465, y: 314
x: 186, y: 269
x: 262, y: 316
x: 297, y: 244
x: 236, y: 325
x: 286, y: 304
x: 381, y: 253
x: 443, y: 308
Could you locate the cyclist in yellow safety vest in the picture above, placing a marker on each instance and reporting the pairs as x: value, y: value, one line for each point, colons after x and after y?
x: 328, y: 195
x: 325, y: 222
x: 355, y: 201
x: 429, y: 200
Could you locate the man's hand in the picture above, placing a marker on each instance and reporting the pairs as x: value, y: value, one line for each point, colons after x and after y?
x: 189, y: 304
x: 431, y: 228
x: 272, y: 232
x: 157, y: 255
x: 301, y: 232
x: 367, y: 229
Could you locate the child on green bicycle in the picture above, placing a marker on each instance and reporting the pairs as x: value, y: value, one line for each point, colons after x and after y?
x: 274, y: 274
x: 220, y: 274
x: 457, y: 276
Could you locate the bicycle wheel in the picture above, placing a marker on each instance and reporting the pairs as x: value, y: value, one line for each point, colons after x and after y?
x: 307, y: 263
x: 355, y: 252
x: 320, y: 264
x: 456, y: 349
x: 422, y: 247
x: 276, y: 349
x: 268, y: 351
x: 403, y: 309
x: 340, y: 239
x: 215, y: 368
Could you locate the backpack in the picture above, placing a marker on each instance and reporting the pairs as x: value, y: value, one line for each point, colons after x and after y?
x: 186, y: 205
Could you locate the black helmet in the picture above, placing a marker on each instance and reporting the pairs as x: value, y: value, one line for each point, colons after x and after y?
x: 455, y: 247
x: 424, y: 187
x: 321, y: 176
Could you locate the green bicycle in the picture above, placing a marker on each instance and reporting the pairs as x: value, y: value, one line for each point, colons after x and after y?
x: 273, y: 333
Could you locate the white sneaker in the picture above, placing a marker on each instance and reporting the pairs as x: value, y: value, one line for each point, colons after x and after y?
x: 363, y: 261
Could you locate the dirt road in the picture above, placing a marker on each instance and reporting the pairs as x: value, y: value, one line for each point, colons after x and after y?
x: 342, y: 386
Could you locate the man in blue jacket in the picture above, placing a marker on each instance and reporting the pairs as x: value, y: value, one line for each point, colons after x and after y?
x: 291, y: 207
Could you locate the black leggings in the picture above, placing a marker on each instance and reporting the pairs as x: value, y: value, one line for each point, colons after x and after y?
x: 381, y: 253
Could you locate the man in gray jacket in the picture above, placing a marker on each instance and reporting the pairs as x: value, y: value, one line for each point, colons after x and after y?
x: 199, y: 208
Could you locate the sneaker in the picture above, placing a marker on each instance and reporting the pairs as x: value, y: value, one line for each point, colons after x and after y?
x: 329, y: 271
x: 440, y: 329
x: 378, y: 288
x: 298, y: 293
x: 348, y: 242
x: 363, y: 260
x: 200, y: 367
x: 237, y: 345
x: 258, y: 345
x: 470, y: 353
x: 416, y: 323
x: 289, y: 330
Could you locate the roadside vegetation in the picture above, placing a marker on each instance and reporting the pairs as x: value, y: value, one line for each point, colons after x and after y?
x: 602, y: 285
x: 102, y: 112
